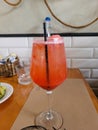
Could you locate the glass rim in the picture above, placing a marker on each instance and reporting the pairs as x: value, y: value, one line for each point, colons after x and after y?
x: 55, y: 40
x: 37, y: 127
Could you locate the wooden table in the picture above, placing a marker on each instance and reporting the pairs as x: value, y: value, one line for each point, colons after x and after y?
x: 11, y: 108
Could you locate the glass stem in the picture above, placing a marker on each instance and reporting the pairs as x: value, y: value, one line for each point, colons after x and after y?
x: 49, y: 115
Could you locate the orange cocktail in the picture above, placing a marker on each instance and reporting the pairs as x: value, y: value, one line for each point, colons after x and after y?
x: 48, y: 68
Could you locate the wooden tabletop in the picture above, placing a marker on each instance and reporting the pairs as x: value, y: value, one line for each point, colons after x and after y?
x: 11, y: 107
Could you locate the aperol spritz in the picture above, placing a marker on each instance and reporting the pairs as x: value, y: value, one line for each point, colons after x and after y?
x: 49, y: 70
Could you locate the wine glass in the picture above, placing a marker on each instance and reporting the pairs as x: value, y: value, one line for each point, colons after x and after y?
x: 48, y: 70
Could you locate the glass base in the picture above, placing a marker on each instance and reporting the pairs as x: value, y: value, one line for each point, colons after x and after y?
x: 49, y: 120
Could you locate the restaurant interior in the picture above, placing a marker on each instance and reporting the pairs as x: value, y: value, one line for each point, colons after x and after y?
x: 49, y: 65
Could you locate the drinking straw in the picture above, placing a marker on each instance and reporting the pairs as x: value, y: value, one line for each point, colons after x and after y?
x: 45, y: 33
x: 46, y: 52
x: 48, y: 26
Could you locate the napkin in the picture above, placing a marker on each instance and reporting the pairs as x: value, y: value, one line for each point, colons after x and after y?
x: 71, y: 99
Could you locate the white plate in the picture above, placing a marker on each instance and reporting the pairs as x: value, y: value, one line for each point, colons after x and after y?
x: 9, y: 91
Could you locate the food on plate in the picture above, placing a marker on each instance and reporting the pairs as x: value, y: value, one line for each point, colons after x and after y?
x: 2, y: 91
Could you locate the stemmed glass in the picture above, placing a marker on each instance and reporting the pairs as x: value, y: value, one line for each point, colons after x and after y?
x: 48, y: 70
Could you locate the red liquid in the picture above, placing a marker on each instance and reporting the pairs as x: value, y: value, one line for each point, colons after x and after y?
x: 48, y: 71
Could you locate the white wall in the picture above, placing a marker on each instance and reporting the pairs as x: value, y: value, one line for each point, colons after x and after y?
x: 81, y: 52
x: 30, y: 15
